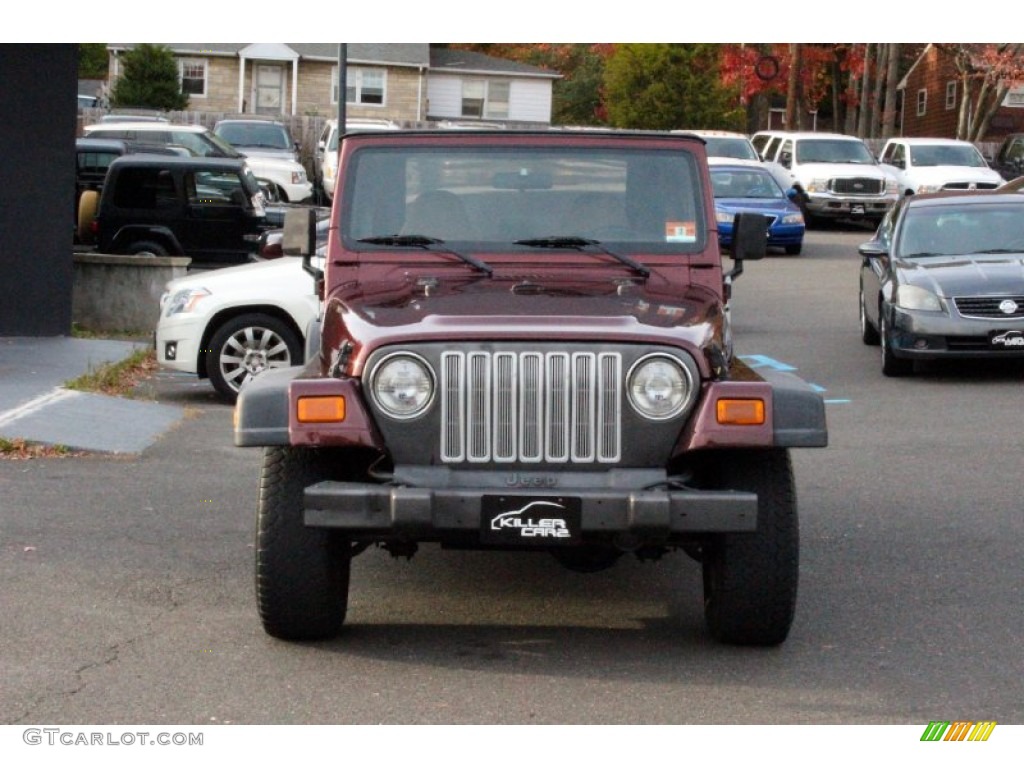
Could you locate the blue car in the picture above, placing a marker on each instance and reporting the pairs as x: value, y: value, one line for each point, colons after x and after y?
x: 752, y: 189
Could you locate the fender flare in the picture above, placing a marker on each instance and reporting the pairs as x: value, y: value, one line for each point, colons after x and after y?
x: 132, y: 233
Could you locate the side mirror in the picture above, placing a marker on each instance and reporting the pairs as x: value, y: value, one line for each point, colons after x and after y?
x: 793, y: 194
x: 873, y: 249
x: 749, y: 240
x: 299, y: 238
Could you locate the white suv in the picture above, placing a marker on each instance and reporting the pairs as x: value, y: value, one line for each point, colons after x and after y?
x: 836, y: 174
x: 930, y: 165
x: 288, y: 177
x: 327, y: 148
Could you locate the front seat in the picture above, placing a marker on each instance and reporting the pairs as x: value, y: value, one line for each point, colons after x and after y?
x: 438, y: 213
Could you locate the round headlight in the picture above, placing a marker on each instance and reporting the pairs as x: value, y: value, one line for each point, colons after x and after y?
x: 659, y: 387
x: 403, y: 385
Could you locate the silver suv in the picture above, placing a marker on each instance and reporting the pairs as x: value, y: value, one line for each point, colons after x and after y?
x: 836, y: 174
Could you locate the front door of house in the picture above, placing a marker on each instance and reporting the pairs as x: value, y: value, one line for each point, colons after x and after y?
x: 269, y: 89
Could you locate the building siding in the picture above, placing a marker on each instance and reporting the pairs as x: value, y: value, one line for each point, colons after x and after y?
x: 931, y: 73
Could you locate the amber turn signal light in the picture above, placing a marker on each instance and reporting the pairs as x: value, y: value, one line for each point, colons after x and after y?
x: 321, y: 409
x: 741, y: 412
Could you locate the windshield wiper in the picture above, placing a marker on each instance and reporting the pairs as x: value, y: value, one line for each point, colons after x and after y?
x: 427, y: 244
x: 580, y: 243
x: 999, y: 250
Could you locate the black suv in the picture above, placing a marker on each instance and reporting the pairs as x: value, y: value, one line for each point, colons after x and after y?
x: 92, y: 159
x: 210, y: 209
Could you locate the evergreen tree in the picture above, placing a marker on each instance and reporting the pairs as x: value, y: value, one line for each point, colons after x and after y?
x: 149, y: 80
x: 666, y: 86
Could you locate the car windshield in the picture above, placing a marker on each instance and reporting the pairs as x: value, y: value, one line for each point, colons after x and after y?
x: 730, y: 146
x: 928, y: 231
x: 947, y: 154
x: 263, y: 135
x: 745, y: 184
x: 833, y: 151
x: 486, y: 199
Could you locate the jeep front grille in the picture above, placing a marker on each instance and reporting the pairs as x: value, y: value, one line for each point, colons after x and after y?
x: 858, y: 186
x: 531, y: 407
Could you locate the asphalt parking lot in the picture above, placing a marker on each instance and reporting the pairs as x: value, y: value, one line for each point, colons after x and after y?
x: 128, y: 578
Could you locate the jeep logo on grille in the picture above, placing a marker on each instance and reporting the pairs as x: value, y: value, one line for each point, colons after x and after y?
x: 1008, y: 306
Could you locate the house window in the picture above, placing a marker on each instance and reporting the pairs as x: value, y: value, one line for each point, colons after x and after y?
x: 922, y: 102
x: 363, y: 85
x: 481, y: 98
x: 192, y: 73
x: 951, y: 94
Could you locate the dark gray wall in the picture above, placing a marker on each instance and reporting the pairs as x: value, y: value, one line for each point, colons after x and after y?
x: 38, y: 109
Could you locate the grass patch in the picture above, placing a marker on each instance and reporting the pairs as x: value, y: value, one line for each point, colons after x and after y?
x: 117, y: 378
x: 78, y: 332
x: 18, y: 449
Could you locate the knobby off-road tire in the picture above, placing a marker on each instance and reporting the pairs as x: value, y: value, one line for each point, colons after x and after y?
x: 750, y: 579
x: 302, y: 574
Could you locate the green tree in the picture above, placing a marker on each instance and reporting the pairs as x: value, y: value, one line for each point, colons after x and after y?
x: 92, y: 61
x: 665, y: 86
x: 149, y: 80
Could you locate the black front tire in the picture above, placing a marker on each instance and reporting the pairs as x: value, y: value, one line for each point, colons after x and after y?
x: 868, y: 332
x: 302, y: 574
x: 247, y: 345
x: 891, y: 365
x: 750, y: 579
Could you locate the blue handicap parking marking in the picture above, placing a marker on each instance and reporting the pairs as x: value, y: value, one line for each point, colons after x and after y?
x: 763, y: 361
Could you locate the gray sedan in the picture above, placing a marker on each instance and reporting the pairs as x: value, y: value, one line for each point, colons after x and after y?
x: 944, y: 278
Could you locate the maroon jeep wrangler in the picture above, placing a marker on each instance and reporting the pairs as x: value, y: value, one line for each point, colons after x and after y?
x: 525, y: 344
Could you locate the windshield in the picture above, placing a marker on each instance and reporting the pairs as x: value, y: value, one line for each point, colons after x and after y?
x: 955, y: 231
x: 943, y: 154
x: 730, y: 146
x: 487, y: 198
x: 263, y: 135
x: 745, y: 184
x: 833, y: 151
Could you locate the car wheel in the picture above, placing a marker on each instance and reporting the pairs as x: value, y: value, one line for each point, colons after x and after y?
x: 247, y: 345
x: 794, y: 250
x: 146, y: 248
x: 868, y: 333
x: 302, y: 573
x: 891, y: 365
x: 750, y: 579
x: 87, y: 205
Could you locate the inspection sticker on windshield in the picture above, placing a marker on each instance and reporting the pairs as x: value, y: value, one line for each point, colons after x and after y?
x: 530, y: 520
x: 680, y: 231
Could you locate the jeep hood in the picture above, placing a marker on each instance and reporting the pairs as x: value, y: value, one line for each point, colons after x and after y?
x: 606, y: 308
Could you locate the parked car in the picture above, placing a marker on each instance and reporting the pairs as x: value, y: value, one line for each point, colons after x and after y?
x: 232, y: 324
x: 208, y: 208
x: 85, y: 101
x: 326, y: 159
x: 1009, y: 158
x: 942, y: 279
x: 288, y: 178
x: 837, y: 175
x: 727, y: 144
x: 92, y: 159
x: 752, y: 188
x: 259, y: 138
x: 931, y: 165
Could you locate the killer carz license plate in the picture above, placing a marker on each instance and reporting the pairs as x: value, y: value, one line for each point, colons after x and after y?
x: 530, y: 520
